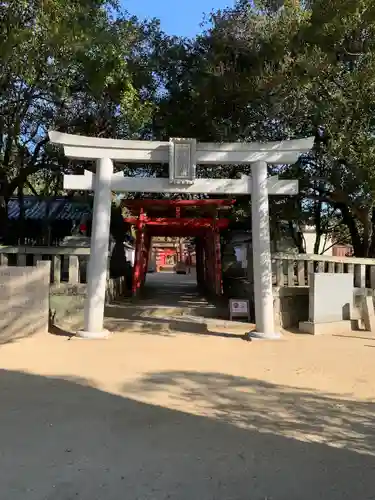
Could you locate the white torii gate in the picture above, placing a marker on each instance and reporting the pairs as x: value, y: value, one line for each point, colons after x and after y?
x: 182, y: 155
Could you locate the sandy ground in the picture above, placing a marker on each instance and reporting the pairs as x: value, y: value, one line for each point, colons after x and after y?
x: 152, y: 415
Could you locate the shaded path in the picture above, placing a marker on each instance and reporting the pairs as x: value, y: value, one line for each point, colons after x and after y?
x: 172, y: 289
x: 169, y: 304
x: 172, y: 294
x: 64, y: 440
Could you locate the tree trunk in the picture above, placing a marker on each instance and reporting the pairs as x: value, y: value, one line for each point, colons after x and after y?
x: 349, y: 221
x: 3, y: 218
x: 318, y: 238
x: 318, y: 226
x: 297, y: 238
x: 371, y: 252
x: 21, y: 220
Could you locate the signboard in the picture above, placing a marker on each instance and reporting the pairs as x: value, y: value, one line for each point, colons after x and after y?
x: 182, y: 153
x: 239, y: 308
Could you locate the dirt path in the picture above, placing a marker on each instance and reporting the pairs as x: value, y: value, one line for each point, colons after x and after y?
x: 172, y: 415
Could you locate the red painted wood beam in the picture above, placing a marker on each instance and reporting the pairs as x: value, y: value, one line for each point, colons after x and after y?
x: 175, y: 233
x: 164, y: 231
x: 179, y: 222
x: 176, y: 203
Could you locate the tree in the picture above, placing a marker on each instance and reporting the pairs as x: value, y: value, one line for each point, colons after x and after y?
x: 261, y: 71
x: 337, y: 51
x: 65, y: 66
x: 280, y: 70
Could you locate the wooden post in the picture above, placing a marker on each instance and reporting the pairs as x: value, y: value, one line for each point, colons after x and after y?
x: 206, y: 258
x: 146, y: 254
x: 211, y: 240
x: 219, y: 281
x: 210, y: 263
x: 217, y: 257
x: 199, y: 261
x: 137, y: 271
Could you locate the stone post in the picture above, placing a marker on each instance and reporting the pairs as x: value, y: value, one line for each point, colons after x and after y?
x: 98, y: 263
x: 264, y: 314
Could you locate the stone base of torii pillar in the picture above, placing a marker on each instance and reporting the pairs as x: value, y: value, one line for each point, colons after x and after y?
x: 89, y: 335
x: 254, y: 335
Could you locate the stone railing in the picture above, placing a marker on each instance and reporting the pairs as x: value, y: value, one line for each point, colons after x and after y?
x: 67, y: 276
x: 294, y: 270
x: 68, y: 265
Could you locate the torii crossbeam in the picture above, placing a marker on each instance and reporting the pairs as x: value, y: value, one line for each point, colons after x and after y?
x: 182, y: 155
x: 123, y: 184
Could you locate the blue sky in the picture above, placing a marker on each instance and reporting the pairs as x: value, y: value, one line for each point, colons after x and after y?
x: 177, y: 17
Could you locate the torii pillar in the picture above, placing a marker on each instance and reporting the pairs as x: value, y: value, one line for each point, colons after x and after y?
x: 182, y: 155
x: 262, y: 261
x: 98, y: 261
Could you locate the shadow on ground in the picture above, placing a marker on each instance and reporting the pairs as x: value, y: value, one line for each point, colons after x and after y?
x: 169, y: 305
x: 269, y: 408
x: 64, y: 439
x: 169, y: 290
x: 167, y: 326
x: 60, y: 332
x: 116, y: 320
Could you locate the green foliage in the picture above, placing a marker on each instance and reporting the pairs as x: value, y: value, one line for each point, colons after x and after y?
x: 261, y: 71
x: 65, y: 65
x: 77, y: 66
x: 288, y: 69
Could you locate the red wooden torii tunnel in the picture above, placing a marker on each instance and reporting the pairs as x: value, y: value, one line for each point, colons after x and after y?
x: 200, y: 219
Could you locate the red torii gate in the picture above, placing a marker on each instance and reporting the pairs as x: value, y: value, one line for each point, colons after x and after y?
x: 169, y: 218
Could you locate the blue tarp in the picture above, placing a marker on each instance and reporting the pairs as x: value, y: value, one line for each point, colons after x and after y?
x: 58, y: 209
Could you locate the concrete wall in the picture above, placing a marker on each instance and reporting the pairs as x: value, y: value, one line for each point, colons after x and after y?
x: 24, y: 301
x: 243, y: 249
x: 310, y: 237
x: 291, y: 305
x: 67, y: 302
x: 66, y: 284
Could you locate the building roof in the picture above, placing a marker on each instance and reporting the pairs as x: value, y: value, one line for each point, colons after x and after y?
x: 57, y: 209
